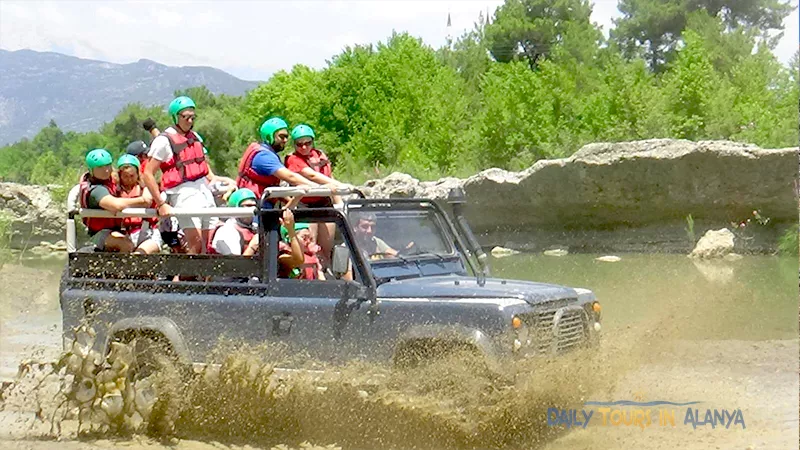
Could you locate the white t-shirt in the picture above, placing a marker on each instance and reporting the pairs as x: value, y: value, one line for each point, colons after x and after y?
x: 161, y: 150
x: 227, y: 240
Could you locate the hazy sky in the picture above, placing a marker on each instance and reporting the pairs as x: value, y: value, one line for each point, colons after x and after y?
x: 250, y: 39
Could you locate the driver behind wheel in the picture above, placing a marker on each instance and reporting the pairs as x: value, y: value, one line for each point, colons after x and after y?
x: 372, y: 246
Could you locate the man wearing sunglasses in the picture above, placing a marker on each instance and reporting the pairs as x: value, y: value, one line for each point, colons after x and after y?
x: 179, y: 154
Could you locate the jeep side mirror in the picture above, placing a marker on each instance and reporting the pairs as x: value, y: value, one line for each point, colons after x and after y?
x: 341, y: 260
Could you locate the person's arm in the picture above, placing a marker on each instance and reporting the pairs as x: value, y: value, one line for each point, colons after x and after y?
x: 382, y: 247
x: 252, y: 247
x: 116, y: 204
x: 317, y: 177
x: 294, y: 259
x: 149, y: 179
x: 295, y: 179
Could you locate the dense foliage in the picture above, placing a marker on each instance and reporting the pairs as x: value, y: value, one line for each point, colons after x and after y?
x: 536, y: 81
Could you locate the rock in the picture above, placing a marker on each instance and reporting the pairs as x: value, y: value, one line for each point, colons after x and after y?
x: 59, y: 246
x: 34, y: 215
x: 499, y: 252
x: 622, y: 186
x: 608, y: 258
x: 733, y: 257
x: 714, y: 244
x: 556, y: 252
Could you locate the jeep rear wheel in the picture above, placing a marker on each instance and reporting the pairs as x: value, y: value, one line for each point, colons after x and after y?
x: 158, y: 384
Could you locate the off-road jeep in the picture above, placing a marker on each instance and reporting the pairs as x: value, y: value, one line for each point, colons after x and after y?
x: 434, y: 295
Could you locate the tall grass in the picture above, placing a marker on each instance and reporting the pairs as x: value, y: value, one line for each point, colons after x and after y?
x: 789, y: 244
x: 5, y: 238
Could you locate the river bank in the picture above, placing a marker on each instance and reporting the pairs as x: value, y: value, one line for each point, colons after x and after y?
x: 657, y: 195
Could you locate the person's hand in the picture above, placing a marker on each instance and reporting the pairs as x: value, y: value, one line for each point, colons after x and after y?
x: 148, y: 124
x: 164, y: 210
x: 288, y: 221
x: 332, y: 187
x: 231, y: 189
x: 253, y: 245
x: 147, y: 197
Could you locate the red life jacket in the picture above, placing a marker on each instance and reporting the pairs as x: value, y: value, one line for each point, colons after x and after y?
x: 188, y: 162
x: 133, y: 224
x: 245, y: 236
x: 249, y: 178
x: 308, y: 270
x: 318, y: 162
x: 95, y: 224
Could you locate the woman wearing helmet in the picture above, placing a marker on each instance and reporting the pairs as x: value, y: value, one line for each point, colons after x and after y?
x: 98, y: 191
x: 179, y: 155
x: 143, y: 233
x: 314, y: 165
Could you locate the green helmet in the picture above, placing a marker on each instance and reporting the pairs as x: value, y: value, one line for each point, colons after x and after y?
x: 269, y: 128
x: 241, y: 195
x: 128, y: 160
x: 98, y: 157
x: 297, y: 227
x: 302, y: 131
x: 178, y: 105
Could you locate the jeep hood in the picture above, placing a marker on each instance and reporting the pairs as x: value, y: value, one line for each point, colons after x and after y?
x: 443, y: 287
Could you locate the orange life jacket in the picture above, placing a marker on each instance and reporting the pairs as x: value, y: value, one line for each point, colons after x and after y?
x: 188, y: 162
x: 249, y: 178
x: 245, y: 236
x: 95, y: 224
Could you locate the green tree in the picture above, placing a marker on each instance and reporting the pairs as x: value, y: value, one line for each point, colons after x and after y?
x: 691, y: 84
x: 653, y: 28
x: 530, y: 29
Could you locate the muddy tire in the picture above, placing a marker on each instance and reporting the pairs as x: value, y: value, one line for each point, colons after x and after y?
x: 158, y: 381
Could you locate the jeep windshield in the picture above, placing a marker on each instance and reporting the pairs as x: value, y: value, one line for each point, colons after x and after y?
x: 402, y: 240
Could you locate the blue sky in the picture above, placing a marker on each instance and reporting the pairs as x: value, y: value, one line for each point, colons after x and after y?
x: 249, y: 39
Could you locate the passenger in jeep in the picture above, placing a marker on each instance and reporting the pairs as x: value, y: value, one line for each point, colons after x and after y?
x: 178, y: 153
x: 97, y: 191
x: 235, y: 235
x: 372, y: 246
x: 144, y: 233
x: 311, y: 267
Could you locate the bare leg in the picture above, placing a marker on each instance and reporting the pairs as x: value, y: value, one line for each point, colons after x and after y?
x: 118, y: 242
x: 194, y: 241
x: 148, y: 247
x: 325, y: 234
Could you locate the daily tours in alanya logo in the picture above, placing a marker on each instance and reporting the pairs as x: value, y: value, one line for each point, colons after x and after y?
x: 661, y: 413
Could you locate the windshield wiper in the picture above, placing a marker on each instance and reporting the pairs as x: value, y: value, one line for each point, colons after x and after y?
x: 428, y: 254
x: 387, y: 257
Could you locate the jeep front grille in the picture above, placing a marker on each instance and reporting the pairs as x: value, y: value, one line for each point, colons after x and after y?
x: 557, y: 330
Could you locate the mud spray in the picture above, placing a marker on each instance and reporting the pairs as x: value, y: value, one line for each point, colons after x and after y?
x: 453, y: 402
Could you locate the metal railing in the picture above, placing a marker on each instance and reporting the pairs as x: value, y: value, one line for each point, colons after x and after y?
x: 74, y: 210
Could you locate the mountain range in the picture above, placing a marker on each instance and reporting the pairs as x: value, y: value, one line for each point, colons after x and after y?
x: 82, y: 94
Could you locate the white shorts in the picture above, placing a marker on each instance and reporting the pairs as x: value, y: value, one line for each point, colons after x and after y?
x: 151, y: 234
x: 195, y: 195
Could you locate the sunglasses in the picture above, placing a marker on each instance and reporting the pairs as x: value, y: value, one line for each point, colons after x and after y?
x: 304, y: 144
x: 189, y: 116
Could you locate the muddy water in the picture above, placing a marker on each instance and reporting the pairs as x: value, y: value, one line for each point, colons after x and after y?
x: 722, y: 334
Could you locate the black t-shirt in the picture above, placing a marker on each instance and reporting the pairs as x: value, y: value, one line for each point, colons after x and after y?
x: 96, y: 193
